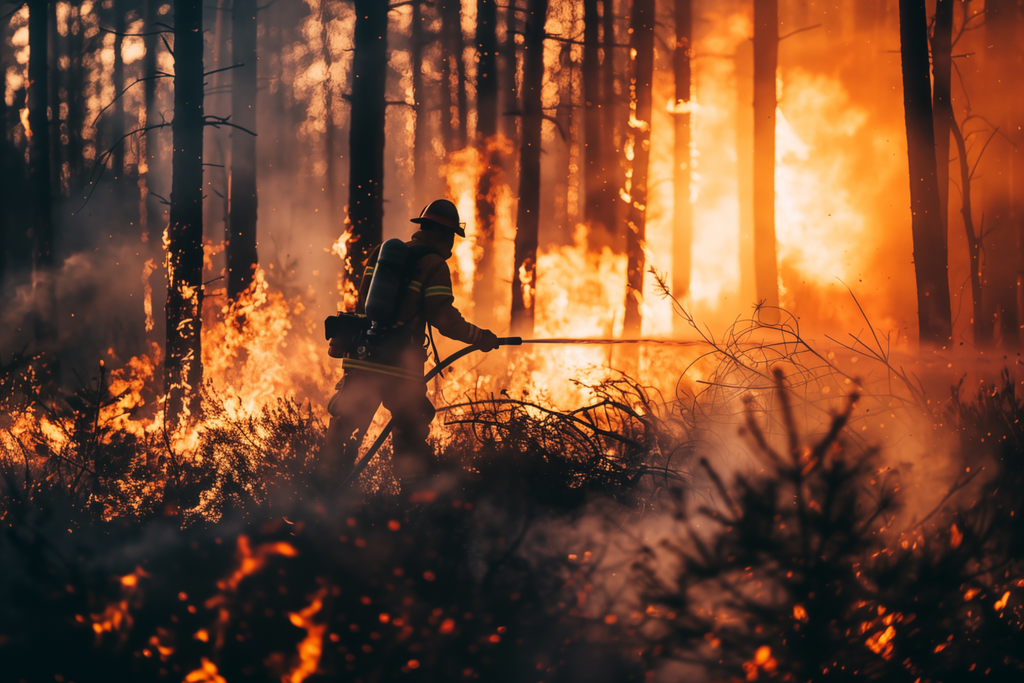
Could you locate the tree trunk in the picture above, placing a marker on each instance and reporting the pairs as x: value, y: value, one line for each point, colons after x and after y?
x: 487, y: 128
x: 40, y: 191
x: 1001, y: 245
x: 241, y: 237
x: 524, y: 274
x: 766, y: 57
x: 507, y: 75
x: 981, y: 325
x: 183, y: 367
x: 745, y: 167
x: 74, y: 77
x: 454, y: 69
x: 330, y: 133
x: 149, y: 208
x: 682, y: 225
x: 593, y: 130
x: 942, y: 110
x: 611, y: 207
x: 366, y: 135
x: 638, y: 153
x: 421, y: 132
x: 930, y: 261
x: 117, y: 118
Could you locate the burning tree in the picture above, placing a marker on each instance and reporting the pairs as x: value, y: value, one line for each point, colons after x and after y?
x: 184, y: 237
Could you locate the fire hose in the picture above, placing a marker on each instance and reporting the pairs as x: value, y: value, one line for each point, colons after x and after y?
x: 462, y: 353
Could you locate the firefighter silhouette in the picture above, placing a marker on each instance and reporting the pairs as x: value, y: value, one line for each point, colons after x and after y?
x: 406, y: 286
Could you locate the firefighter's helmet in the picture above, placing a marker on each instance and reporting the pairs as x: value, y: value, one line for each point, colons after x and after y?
x: 443, y: 213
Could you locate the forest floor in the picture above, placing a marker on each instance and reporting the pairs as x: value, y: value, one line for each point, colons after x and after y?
x: 761, y: 526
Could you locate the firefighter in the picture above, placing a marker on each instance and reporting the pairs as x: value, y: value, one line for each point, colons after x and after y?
x: 393, y: 375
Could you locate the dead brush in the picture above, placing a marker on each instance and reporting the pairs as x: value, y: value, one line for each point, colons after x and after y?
x: 561, y: 457
x: 800, y: 573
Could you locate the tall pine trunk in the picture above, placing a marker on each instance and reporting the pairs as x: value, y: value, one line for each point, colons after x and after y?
x: 183, y: 366
x: 930, y: 250
x: 766, y: 58
x: 745, y: 167
x: 942, y: 109
x: 611, y: 207
x: 421, y: 131
x: 117, y: 120
x: 330, y: 134
x: 524, y: 274
x: 682, y: 223
x: 149, y: 208
x: 638, y: 154
x: 366, y: 135
x: 241, y: 237
x: 454, y: 69
x: 487, y: 128
x: 40, y: 191
x: 593, y: 130
x: 1002, y: 249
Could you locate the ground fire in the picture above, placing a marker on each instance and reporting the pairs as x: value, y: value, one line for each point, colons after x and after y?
x: 535, y: 340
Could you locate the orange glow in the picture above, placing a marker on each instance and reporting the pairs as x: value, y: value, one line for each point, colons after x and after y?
x: 251, y: 561
x: 311, y: 647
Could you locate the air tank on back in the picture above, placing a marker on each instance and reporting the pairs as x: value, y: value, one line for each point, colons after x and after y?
x: 384, y: 295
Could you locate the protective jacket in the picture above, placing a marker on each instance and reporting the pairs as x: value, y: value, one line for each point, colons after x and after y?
x: 427, y: 300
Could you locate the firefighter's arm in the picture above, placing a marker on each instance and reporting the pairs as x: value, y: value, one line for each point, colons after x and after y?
x: 439, y: 309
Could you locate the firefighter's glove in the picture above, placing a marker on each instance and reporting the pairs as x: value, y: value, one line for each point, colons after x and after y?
x: 336, y: 350
x: 488, y: 341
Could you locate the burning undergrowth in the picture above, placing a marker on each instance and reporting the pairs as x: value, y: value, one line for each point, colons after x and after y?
x: 152, y: 556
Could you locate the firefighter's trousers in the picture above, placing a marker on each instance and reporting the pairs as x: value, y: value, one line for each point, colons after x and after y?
x: 359, y: 394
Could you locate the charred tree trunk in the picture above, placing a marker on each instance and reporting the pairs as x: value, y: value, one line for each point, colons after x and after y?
x: 507, y: 75
x: 487, y: 68
x: 117, y: 119
x: 241, y: 238
x: 183, y: 366
x: 930, y: 250
x: 980, y: 324
x: 942, y: 110
x: 366, y: 135
x: 524, y: 274
x: 638, y: 153
x: 766, y: 58
x: 74, y: 77
x: 1002, y: 249
x: 611, y: 207
x: 453, y: 48
x: 593, y: 130
x: 682, y: 227
x: 487, y: 128
x: 40, y: 190
x: 330, y: 156
x: 745, y: 167
x: 421, y: 133
x: 149, y: 209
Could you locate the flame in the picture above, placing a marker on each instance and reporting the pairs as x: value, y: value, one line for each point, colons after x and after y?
x: 206, y: 673
x: 251, y: 561
x: 23, y: 114
x: 311, y: 647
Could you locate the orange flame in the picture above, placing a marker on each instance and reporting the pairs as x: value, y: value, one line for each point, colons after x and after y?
x: 311, y: 646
